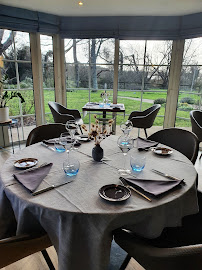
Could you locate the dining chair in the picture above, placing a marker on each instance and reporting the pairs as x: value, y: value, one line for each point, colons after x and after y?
x: 181, y: 140
x: 45, y: 132
x: 18, y: 247
x: 196, y: 123
x: 144, y: 119
x: 178, y: 248
x: 61, y: 114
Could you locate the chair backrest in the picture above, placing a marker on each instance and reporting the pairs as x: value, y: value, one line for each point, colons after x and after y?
x: 196, y: 122
x: 15, y: 248
x: 181, y: 140
x: 61, y: 114
x: 45, y: 132
x: 145, y: 119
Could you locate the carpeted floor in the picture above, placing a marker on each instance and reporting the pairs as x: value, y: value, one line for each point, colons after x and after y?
x: 117, y: 257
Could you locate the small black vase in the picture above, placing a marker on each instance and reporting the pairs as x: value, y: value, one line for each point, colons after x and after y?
x: 97, y: 152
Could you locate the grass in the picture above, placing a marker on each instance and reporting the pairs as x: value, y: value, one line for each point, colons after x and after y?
x: 78, y: 98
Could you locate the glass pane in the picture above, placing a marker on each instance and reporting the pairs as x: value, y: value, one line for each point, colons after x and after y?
x: 6, y: 44
x: 153, y: 77
x: 48, y: 74
x: 158, y: 52
x: 193, y: 52
x: 191, y: 82
x: 77, y: 76
x: 22, y: 46
x: 132, y: 52
x: 77, y: 50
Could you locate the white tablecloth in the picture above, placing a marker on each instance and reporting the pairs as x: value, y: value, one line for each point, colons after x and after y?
x: 79, y: 222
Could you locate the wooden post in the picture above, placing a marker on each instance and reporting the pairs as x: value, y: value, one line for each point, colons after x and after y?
x: 37, y: 78
x: 59, y: 69
x: 174, y: 83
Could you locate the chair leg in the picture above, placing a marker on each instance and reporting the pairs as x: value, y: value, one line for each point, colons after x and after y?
x: 47, y: 259
x: 145, y: 132
x: 125, y: 262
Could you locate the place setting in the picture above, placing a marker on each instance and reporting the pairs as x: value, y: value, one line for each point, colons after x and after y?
x: 133, y: 179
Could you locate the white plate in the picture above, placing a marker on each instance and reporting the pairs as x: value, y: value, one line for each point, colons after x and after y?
x: 84, y: 138
x: 162, y: 151
x: 25, y: 163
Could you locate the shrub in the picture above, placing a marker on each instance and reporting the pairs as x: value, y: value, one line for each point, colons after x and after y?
x: 188, y: 100
x: 159, y: 101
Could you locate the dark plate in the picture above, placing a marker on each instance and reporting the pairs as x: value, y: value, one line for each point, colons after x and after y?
x: 162, y: 151
x: 25, y: 163
x: 114, y: 193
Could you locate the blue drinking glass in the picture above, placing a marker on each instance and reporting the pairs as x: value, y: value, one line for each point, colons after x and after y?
x: 137, y: 163
x: 71, y: 166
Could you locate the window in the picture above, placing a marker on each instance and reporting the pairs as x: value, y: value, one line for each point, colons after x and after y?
x: 17, y: 70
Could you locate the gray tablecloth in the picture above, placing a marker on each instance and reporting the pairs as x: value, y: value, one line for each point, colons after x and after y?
x: 79, y: 222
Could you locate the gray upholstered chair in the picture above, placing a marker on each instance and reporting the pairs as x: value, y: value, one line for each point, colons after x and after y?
x: 45, y: 132
x: 177, y: 248
x: 61, y: 114
x: 181, y: 140
x: 196, y: 123
x: 144, y: 119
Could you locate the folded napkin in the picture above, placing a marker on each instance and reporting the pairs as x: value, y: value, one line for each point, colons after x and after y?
x: 143, y: 144
x: 155, y: 187
x: 32, y: 178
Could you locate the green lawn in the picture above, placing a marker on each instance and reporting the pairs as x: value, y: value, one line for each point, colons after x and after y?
x: 78, y: 98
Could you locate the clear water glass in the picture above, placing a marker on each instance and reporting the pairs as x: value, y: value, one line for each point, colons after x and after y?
x: 101, y: 104
x: 137, y: 163
x: 125, y: 143
x: 71, y: 166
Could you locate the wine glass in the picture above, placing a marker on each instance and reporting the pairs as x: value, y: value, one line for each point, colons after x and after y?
x: 67, y: 141
x: 126, y: 127
x: 72, y: 127
x: 125, y: 143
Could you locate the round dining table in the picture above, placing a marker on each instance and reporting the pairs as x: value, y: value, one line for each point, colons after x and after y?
x: 78, y: 221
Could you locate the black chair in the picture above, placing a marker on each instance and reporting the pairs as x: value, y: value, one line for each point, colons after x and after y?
x: 45, y: 132
x: 177, y: 248
x: 61, y: 114
x: 181, y: 140
x: 196, y: 122
x: 18, y: 247
x: 144, y: 119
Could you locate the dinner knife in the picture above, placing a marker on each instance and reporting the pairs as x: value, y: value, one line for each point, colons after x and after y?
x: 47, y: 146
x: 49, y: 188
x: 124, y: 182
x: 166, y: 175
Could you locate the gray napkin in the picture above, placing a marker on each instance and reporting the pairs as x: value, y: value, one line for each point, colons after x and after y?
x: 155, y: 187
x: 32, y: 178
x: 143, y: 144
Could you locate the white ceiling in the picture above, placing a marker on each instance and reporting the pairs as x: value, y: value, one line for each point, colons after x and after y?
x: 110, y: 7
